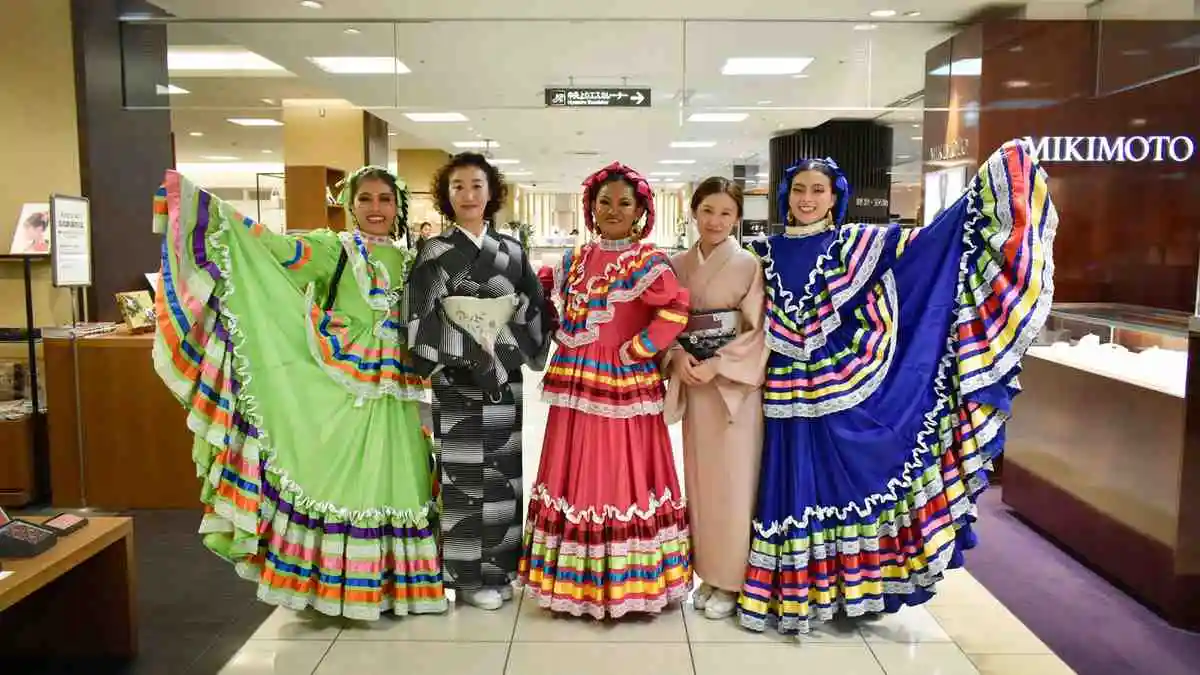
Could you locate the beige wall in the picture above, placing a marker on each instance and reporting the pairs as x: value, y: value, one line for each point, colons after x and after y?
x: 40, y: 139
x: 416, y: 168
x: 323, y: 137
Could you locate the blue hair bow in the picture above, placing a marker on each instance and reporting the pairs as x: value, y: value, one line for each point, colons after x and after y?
x: 841, y: 187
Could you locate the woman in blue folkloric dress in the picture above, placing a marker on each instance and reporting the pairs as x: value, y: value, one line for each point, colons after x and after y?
x: 894, y: 356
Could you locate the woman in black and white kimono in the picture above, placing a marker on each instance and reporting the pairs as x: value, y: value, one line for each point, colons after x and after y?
x: 472, y: 351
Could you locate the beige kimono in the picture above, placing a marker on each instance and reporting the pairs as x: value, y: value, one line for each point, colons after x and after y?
x: 722, y: 420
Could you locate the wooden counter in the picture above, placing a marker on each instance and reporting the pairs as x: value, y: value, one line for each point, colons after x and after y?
x: 75, y: 600
x: 1111, y: 471
x: 136, y: 448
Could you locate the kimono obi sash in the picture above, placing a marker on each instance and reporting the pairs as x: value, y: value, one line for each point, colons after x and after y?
x: 707, y: 331
x: 481, y: 318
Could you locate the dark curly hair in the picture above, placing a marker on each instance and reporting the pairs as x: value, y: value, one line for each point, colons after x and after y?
x: 497, y: 189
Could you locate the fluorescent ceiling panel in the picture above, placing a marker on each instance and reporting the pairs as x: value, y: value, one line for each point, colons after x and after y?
x: 255, y: 122
x: 766, y: 66
x: 437, y: 117
x: 718, y: 117
x: 359, y: 65
x: 200, y: 59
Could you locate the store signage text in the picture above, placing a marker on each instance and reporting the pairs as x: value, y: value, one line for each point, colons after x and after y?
x: 959, y: 147
x: 603, y: 97
x: 1116, y: 149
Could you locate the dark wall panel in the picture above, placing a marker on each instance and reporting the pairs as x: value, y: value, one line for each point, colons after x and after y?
x: 862, y: 148
x: 123, y: 153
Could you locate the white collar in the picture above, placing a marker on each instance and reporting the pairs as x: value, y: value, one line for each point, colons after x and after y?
x: 477, y: 240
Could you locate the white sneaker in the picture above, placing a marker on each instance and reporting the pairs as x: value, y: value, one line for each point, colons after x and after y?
x: 720, y: 605
x: 701, y: 595
x: 506, y: 592
x: 487, y: 598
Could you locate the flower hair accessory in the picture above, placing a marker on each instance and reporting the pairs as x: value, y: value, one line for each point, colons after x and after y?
x: 642, y: 190
x: 345, y: 185
x: 841, y: 187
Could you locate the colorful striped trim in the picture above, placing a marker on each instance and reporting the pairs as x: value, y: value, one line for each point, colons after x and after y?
x: 589, y: 300
x: 607, y: 567
x: 249, y: 499
x: 893, y: 547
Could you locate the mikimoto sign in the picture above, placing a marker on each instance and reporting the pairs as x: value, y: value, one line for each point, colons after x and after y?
x: 1116, y: 149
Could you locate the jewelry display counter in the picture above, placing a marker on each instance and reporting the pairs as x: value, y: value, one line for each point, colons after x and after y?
x: 128, y: 447
x: 1103, y: 451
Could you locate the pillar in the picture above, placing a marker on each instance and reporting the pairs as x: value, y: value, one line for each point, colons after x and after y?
x: 123, y: 150
x: 416, y: 167
x: 863, y: 150
x: 323, y: 142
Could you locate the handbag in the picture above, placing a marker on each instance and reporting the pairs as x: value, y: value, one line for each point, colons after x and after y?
x: 708, y: 331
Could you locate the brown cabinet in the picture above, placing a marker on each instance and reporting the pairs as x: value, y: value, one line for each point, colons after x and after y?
x: 136, y: 448
x: 16, y: 462
x: 308, y: 190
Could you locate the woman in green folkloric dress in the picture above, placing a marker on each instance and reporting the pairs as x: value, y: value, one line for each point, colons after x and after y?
x: 289, y: 354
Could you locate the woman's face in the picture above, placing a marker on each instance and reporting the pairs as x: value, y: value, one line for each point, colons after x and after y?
x: 811, y: 197
x: 469, y: 194
x: 616, y: 210
x: 375, y: 206
x: 715, y: 217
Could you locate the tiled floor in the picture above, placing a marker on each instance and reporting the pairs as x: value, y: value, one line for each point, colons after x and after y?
x: 964, y: 630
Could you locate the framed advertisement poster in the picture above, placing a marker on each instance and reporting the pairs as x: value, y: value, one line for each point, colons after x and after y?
x: 70, y: 241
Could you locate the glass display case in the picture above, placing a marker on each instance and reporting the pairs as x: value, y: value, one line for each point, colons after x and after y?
x: 1143, y: 346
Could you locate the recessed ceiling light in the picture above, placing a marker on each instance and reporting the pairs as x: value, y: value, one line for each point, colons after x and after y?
x: 693, y: 144
x: 210, y: 59
x: 664, y: 173
x: 765, y: 102
x: 765, y: 66
x: 219, y: 158
x: 718, y: 117
x: 255, y: 122
x: 677, y: 161
x: 360, y: 65
x: 352, y: 31
x: 268, y: 152
x: 918, y: 138
x: 883, y: 13
x: 268, y: 101
x: 312, y: 4
x: 903, y: 157
x: 912, y: 13
x: 436, y: 117
x: 504, y: 161
x: 167, y: 90
x: 476, y: 144
x: 518, y: 173
x: 865, y: 26
x: 197, y: 134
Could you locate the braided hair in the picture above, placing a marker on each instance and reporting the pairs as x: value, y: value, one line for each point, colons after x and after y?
x: 349, y: 187
x: 610, y: 174
x: 837, y: 180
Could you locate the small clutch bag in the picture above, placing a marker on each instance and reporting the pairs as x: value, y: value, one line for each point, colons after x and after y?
x: 707, y: 332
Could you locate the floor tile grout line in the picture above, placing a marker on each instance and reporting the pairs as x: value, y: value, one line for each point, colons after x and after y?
x: 687, y: 636
x: 512, y: 636
x: 328, y: 648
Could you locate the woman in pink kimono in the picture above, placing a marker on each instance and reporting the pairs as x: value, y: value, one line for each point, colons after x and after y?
x: 716, y: 370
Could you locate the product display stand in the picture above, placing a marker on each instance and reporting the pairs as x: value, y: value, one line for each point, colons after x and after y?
x: 37, y: 426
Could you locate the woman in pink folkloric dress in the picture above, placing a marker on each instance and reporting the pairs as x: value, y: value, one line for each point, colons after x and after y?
x: 607, y: 529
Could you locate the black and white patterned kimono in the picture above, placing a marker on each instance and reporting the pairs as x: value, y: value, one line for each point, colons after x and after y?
x: 476, y: 398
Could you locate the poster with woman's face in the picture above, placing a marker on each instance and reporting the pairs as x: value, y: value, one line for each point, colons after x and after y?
x: 32, y: 234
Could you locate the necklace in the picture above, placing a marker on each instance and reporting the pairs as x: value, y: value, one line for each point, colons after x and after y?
x: 376, y: 238
x: 808, y: 230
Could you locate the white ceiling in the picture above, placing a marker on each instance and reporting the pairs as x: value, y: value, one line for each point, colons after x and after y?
x: 494, y: 72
